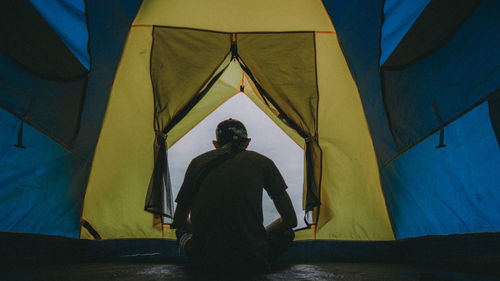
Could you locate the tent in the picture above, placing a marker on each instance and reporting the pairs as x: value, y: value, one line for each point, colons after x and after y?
x: 395, y: 103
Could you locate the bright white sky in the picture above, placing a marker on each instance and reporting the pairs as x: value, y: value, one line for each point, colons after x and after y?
x: 267, y: 139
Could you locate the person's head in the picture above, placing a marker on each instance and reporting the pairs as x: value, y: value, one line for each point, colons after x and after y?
x: 231, y: 131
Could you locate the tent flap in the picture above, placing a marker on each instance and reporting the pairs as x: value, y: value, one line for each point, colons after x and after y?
x: 179, y: 73
x: 284, y: 65
x: 180, y: 77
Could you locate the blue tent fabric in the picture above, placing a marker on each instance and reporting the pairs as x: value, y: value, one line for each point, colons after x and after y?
x: 457, y: 77
x: 430, y: 191
x: 109, y: 22
x: 449, y: 190
x: 435, y: 26
x: 31, y: 42
x: 399, y: 15
x: 43, y: 84
x: 358, y: 28
x: 71, y: 110
x: 67, y: 18
x: 380, y: 100
x: 494, y: 107
x: 52, y: 106
x: 42, y: 186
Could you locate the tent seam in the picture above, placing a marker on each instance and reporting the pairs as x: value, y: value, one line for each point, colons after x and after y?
x: 91, y: 161
x: 443, y: 125
x: 59, y: 142
x: 382, y: 92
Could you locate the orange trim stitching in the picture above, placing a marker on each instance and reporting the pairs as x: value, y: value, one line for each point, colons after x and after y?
x: 242, y: 83
x: 87, y: 232
x: 328, y: 32
x: 328, y: 15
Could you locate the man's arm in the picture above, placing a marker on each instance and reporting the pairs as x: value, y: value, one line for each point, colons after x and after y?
x: 287, y: 219
x: 181, y: 217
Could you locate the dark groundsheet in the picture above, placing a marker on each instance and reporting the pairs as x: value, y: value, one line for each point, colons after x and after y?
x: 132, y: 271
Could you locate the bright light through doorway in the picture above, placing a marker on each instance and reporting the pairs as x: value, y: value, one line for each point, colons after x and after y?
x: 267, y: 139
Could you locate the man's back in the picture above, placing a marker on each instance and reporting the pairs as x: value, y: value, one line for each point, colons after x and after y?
x: 226, y: 211
x: 222, y: 190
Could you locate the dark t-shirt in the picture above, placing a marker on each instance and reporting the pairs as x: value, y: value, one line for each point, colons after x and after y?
x: 226, y: 207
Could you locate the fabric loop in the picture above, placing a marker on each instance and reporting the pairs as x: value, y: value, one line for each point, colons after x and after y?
x: 161, y: 134
x: 311, y: 138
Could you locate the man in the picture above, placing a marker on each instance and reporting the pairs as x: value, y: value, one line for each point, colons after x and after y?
x: 219, y: 217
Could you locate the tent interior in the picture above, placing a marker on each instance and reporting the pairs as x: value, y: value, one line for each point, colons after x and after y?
x: 399, y: 122
x: 290, y: 66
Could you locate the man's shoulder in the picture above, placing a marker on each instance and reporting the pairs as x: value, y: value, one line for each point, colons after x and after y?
x: 206, y: 156
x: 248, y: 154
x: 255, y: 154
x: 258, y: 156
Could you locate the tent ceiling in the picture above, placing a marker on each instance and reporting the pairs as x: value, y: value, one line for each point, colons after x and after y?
x: 251, y: 16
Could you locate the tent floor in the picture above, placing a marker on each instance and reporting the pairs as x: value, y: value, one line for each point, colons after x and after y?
x: 139, y: 271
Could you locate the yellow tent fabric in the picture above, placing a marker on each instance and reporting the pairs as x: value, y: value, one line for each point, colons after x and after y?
x: 179, y: 72
x: 352, y: 203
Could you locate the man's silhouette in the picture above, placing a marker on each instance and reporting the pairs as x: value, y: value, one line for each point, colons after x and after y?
x: 219, y: 217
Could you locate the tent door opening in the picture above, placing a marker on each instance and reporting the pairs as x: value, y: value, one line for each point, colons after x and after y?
x: 186, y: 64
